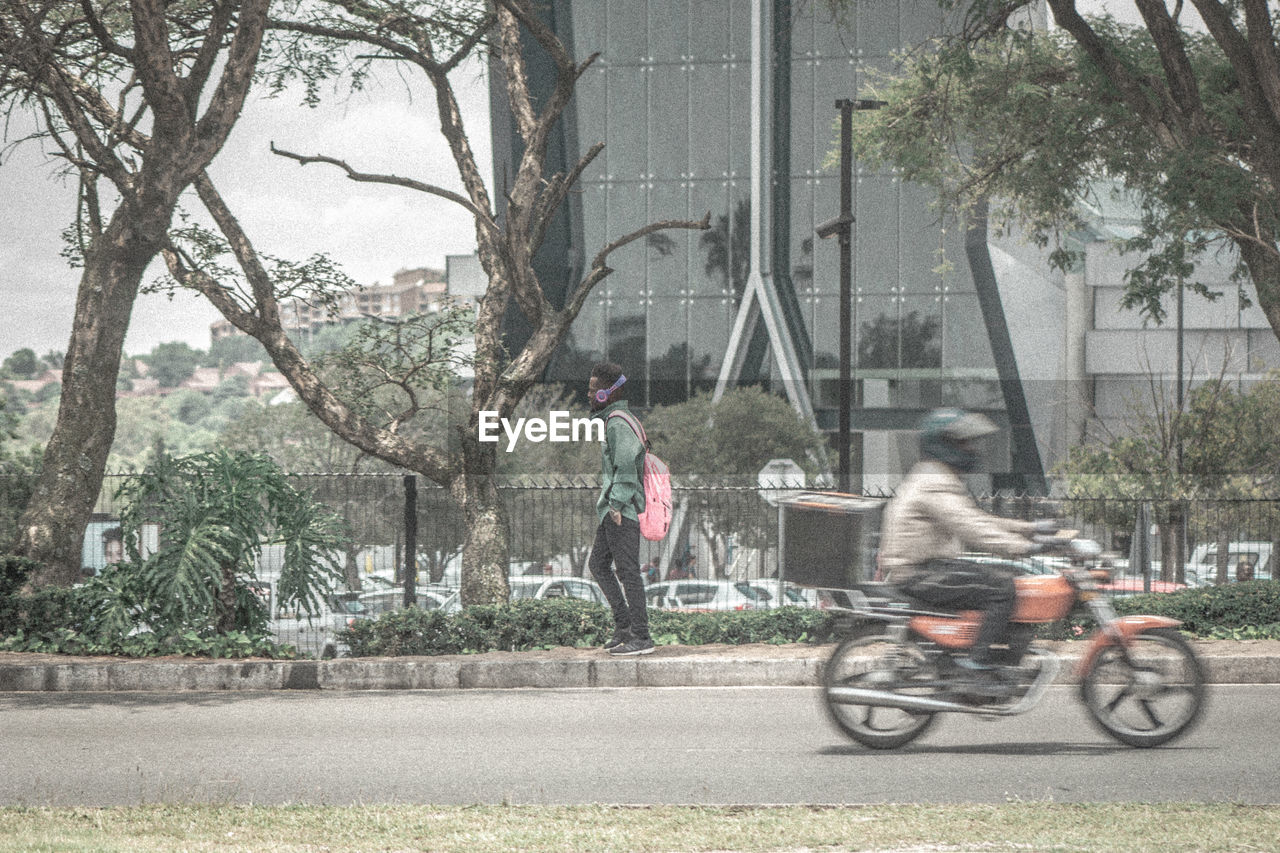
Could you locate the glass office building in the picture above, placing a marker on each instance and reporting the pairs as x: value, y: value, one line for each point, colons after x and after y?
x: 671, y: 97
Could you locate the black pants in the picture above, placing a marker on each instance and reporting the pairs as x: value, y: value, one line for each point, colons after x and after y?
x: 962, y: 585
x: 615, y: 564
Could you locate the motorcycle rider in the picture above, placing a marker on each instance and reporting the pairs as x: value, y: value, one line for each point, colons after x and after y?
x: 932, y: 519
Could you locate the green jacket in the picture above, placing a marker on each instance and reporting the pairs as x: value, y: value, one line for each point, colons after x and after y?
x: 621, y: 465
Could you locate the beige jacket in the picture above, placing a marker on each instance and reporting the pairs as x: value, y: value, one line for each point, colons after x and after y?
x: 932, y: 517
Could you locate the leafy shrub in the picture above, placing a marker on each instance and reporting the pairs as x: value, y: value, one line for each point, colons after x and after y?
x: 1206, y: 610
x: 217, y: 511
x: 539, y: 624
x: 84, y: 620
x: 1240, y: 611
x: 14, y: 571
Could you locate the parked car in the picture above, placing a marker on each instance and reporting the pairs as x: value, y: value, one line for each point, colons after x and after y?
x: 791, y: 595
x: 554, y: 586
x: 1120, y: 584
x: 374, y: 604
x: 314, y: 635
x: 1246, y: 559
x: 704, y: 595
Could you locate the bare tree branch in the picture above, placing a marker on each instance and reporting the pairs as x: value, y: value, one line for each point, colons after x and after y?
x: 600, y: 268
x: 481, y: 217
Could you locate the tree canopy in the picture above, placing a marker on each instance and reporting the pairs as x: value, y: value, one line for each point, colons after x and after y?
x: 1185, y: 121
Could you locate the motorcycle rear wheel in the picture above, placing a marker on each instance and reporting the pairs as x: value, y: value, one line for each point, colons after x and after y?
x: 873, y: 661
x: 1154, y: 696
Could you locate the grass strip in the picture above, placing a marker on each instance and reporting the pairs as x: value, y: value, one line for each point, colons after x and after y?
x: 1117, y: 827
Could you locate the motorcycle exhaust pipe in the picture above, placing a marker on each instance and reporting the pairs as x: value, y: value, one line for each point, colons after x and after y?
x: 885, y: 699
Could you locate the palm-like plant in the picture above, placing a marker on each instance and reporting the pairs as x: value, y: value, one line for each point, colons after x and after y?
x: 216, y: 512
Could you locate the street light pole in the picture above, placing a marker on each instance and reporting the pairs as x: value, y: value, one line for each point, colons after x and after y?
x: 842, y: 227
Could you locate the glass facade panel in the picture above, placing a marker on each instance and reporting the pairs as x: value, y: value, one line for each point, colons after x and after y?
x: 711, y: 268
x: 876, y: 234
x: 590, y: 29
x: 921, y: 242
x: 826, y: 253
x: 739, y: 29
x: 709, y: 133
x: 668, y: 255
x: 593, y: 121
x: 877, y: 340
x: 627, y: 212
x: 668, y: 345
x: 803, y: 108
x: 668, y: 30
x: 826, y: 331
x: 626, y: 335
x: 802, y: 237
x: 829, y: 37
x: 628, y: 27
x: 878, y: 27
x: 669, y: 121
x: 585, y: 345
x: 921, y: 332
x: 595, y: 228
x: 628, y: 104
x: 740, y: 121
x: 709, y: 325
x: 708, y: 31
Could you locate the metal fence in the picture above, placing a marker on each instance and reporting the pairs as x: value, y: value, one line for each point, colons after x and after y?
x: 728, y: 546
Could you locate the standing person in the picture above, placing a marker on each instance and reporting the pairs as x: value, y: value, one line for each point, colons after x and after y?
x: 691, y: 566
x: 653, y: 571
x: 615, y: 554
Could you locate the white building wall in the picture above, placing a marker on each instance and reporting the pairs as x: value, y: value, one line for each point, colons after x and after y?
x: 1133, y: 360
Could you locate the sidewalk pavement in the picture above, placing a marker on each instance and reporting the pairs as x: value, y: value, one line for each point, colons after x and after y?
x: 1226, y: 662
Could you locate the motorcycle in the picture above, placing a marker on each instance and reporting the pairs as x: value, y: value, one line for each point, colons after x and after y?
x: 896, y: 668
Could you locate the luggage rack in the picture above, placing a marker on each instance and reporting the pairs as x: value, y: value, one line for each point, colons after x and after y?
x: 881, y: 599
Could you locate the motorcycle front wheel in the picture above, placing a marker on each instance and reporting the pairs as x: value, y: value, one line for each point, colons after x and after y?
x: 872, y: 661
x: 1149, y: 696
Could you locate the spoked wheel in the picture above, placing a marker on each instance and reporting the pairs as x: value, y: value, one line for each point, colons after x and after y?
x: 874, y: 662
x: 1152, y: 697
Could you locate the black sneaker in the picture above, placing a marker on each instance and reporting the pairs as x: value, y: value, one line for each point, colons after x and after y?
x: 618, y: 638
x: 633, y: 646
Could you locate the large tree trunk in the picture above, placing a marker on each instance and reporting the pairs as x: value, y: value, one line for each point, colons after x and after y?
x: 52, y: 526
x: 486, y: 552
x: 1221, y: 577
x: 1264, y: 269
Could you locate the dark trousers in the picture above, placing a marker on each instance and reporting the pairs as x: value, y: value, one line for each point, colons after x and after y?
x: 615, y: 564
x: 962, y: 585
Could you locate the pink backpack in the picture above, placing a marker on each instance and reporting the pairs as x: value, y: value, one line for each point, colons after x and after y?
x: 656, y: 479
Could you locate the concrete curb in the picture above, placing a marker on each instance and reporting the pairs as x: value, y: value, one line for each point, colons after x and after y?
x: 527, y: 670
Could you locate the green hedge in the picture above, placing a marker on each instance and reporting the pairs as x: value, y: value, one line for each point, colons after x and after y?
x: 63, y: 621
x: 536, y: 624
x: 1248, y: 610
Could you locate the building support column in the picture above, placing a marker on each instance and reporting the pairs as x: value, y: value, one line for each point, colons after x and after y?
x: 760, y: 300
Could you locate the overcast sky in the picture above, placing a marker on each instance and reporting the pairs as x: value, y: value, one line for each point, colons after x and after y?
x: 288, y: 210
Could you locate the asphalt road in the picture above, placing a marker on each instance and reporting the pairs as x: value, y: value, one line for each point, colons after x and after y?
x: 676, y: 745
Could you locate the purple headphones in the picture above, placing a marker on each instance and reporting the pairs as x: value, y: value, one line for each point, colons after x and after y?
x: 602, y: 396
